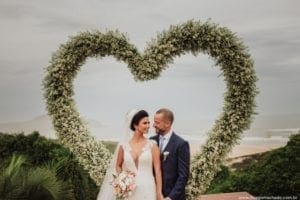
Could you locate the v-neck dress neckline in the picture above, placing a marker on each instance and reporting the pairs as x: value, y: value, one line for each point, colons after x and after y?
x: 136, y: 162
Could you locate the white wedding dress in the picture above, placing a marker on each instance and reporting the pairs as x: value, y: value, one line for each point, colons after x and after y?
x: 143, y: 167
x: 145, y: 182
x: 146, y: 188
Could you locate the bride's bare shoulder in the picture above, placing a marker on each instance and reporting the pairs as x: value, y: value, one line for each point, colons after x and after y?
x: 122, y: 146
x: 152, y: 142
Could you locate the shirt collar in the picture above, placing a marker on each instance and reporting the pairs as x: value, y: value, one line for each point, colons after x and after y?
x: 168, y: 135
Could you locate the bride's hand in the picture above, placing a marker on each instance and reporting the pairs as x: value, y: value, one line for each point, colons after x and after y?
x: 160, y: 196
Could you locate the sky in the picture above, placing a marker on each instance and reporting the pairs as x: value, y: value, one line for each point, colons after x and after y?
x: 104, y: 89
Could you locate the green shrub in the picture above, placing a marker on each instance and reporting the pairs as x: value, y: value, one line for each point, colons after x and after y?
x: 18, y: 181
x: 276, y: 172
x: 39, y: 151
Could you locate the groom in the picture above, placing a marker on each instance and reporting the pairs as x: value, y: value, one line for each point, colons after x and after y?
x: 175, y: 156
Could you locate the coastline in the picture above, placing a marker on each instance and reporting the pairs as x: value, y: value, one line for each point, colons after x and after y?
x: 247, y: 146
x: 242, y: 149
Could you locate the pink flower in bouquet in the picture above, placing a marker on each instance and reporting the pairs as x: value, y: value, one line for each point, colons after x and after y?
x: 124, y: 184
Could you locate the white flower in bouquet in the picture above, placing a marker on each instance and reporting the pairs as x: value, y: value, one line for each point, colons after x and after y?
x: 124, y: 184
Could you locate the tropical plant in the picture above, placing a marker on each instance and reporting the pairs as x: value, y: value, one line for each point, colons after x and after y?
x: 18, y: 181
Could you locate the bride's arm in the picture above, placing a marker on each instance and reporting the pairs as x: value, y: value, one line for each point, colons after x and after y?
x: 157, y: 170
x: 119, y: 162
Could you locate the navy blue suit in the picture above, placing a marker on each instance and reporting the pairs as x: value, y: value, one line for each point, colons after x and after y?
x: 175, y: 168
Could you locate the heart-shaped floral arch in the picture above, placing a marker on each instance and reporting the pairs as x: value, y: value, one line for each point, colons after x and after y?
x: 228, y: 52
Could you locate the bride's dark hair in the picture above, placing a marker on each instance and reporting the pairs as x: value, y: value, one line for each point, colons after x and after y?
x: 137, y: 118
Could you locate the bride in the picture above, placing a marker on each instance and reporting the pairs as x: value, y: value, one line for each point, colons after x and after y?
x: 137, y: 154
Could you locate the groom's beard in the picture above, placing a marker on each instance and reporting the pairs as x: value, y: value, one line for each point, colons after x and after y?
x: 159, y: 131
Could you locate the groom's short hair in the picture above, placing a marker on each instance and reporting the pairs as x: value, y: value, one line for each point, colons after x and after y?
x: 168, y: 114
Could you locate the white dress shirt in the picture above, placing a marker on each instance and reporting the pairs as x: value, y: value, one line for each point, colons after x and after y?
x: 166, y: 138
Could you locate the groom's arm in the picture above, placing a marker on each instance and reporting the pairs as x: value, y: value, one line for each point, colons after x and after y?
x: 183, y: 171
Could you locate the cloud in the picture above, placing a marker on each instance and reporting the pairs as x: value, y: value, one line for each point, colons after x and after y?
x: 31, y: 30
x: 14, y: 10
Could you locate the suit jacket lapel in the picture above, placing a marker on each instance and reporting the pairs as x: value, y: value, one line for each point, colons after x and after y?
x: 171, y: 141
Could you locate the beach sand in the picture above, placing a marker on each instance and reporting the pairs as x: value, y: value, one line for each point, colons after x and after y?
x: 243, y: 149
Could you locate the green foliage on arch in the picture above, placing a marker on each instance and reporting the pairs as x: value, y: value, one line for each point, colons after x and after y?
x: 219, y: 43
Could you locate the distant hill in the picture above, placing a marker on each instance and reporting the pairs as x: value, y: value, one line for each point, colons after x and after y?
x: 263, y: 126
x: 43, y: 125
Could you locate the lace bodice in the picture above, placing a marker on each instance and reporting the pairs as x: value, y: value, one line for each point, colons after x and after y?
x: 144, y: 171
x: 144, y: 160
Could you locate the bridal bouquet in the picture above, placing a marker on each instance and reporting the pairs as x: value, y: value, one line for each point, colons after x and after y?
x: 124, y: 184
